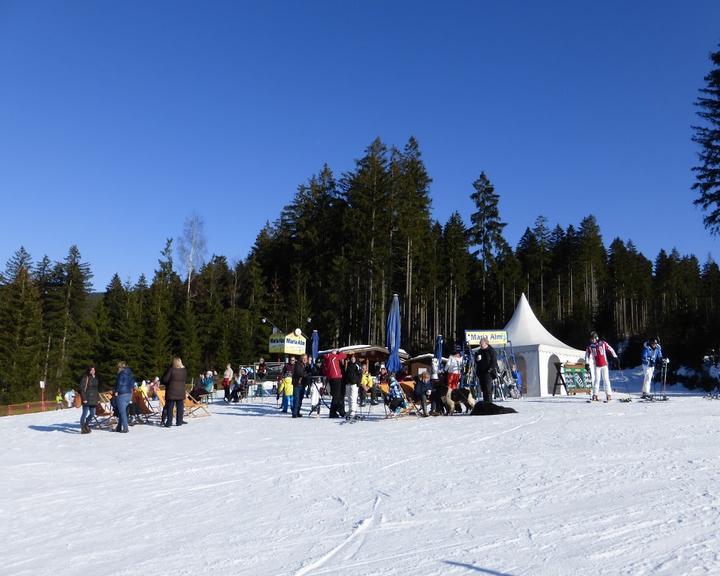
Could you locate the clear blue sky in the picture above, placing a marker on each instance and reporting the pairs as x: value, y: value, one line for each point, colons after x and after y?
x: 120, y: 118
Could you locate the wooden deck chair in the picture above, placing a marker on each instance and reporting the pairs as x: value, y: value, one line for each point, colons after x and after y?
x: 145, y: 410
x: 104, y: 417
x: 385, y: 391
x: 408, y: 388
x: 194, y: 408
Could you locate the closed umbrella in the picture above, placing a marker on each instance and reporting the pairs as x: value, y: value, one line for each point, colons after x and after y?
x: 315, y: 343
x: 393, y: 336
x: 438, y: 349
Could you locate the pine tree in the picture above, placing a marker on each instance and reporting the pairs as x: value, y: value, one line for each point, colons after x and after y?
x: 707, y: 174
x: 21, y: 345
x: 454, y: 278
x: 165, y: 283
x: 485, y: 231
x: 368, y: 228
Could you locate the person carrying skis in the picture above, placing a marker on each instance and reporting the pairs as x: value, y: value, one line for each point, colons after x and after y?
x: 651, y: 357
x: 597, y: 352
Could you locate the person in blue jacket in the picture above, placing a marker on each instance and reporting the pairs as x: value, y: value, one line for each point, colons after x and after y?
x: 651, y: 356
x: 124, y: 384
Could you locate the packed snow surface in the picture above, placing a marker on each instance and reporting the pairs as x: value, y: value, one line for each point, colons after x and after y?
x: 562, y: 487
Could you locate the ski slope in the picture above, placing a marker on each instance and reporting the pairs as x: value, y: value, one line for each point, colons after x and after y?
x: 562, y: 487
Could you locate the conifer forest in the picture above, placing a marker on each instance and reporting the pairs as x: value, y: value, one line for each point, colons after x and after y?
x: 330, y: 262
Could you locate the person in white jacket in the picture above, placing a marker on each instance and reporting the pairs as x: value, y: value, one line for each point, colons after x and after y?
x: 453, y: 368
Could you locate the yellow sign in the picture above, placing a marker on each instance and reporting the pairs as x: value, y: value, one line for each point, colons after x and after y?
x: 288, y: 344
x: 495, y: 337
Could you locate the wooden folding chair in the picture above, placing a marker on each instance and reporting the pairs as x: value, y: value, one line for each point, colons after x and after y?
x: 194, y: 408
x: 385, y: 391
x: 146, y: 411
x: 414, y: 407
x: 104, y: 416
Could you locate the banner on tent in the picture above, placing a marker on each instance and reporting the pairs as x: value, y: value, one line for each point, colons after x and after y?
x: 495, y: 337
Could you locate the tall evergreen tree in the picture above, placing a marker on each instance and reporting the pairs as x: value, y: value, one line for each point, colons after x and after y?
x: 369, y: 232
x: 485, y: 231
x: 21, y: 346
x: 707, y: 135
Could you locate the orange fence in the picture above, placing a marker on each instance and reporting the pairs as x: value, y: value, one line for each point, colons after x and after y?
x: 28, y: 407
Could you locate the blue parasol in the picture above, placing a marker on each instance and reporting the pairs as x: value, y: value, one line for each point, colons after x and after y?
x: 438, y: 350
x: 393, y: 336
x: 315, y: 344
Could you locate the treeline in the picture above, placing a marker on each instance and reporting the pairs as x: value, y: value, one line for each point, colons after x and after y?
x: 331, y: 262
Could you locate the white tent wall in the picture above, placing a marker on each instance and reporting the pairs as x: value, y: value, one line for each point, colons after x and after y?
x: 537, y: 351
x: 537, y: 366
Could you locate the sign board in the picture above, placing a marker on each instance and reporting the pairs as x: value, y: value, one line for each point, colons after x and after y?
x: 288, y: 344
x: 42, y: 384
x: 495, y: 337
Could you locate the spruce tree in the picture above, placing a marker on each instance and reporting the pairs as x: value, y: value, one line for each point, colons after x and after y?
x: 21, y: 345
x: 707, y: 135
x: 485, y: 231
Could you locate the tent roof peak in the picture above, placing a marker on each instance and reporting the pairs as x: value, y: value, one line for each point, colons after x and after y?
x: 524, y: 329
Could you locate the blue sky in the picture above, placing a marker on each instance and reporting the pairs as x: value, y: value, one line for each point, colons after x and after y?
x: 119, y: 119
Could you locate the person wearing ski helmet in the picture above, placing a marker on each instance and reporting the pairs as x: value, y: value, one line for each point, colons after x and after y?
x: 651, y: 357
x: 597, y: 351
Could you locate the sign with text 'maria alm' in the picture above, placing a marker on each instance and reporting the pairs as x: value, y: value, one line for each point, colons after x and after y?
x: 288, y: 344
x: 495, y: 337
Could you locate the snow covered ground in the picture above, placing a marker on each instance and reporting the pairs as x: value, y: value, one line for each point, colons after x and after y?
x: 562, y: 487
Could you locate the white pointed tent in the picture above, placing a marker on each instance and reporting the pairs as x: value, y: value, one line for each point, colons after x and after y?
x: 536, y: 350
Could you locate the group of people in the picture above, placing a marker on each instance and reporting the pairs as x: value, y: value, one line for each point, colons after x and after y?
x: 351, y: 383
x: 596, y: 362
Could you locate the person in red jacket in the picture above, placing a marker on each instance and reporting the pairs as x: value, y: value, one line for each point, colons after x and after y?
x: 596, y: 355
x: 333, y: 372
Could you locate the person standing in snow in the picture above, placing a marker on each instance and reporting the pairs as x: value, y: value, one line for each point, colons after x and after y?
x: 453, y: 368
x: 353, y: 376
x: 596, y: 355
x: 227, y: 378
x: 486, y: 369
x: 285, y: 387
x: 651, y: 357
x: 299, y: 382
x: 89, y: 396
x: 174, y: 380
x: 124, y: 384
x: 333, y: 372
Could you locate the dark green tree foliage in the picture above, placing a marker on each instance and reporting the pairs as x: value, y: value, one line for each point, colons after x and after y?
x: 336, y: 254
x: 707, y: 135
x: 453, y: 279
x: 485, y: 233
x: 21, y: 346
x: 368, y: 229
x: 161, y: 342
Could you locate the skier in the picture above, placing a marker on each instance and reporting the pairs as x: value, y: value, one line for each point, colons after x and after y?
x: 597, y: 353
x: 651, y: 357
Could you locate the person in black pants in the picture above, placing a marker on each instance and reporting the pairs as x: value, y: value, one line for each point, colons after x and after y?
x: 174, y: 381
x: 299, y: 381
x: 486, y: 369
x: 334, y: 374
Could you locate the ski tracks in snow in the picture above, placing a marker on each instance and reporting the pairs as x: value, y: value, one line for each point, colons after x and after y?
x: 473, y: 434
x: 358, y: 533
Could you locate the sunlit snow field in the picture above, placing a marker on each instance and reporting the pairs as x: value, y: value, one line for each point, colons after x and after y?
x: 562, y: 487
